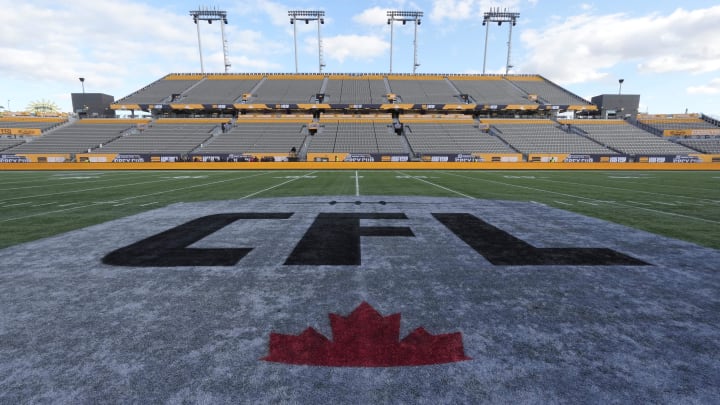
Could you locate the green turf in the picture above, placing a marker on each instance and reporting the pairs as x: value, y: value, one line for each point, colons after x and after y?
x: 683, y: 205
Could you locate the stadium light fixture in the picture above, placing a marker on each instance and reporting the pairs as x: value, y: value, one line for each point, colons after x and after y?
x: 496, y: 15
x: 82, y: 82
x: 404, y: 17
x: 307, y: 16
x: 210, y: 15
x: 620, y: 81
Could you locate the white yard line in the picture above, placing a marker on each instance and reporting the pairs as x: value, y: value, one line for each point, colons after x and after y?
x: 42, y: 205
x: 152, y: 203
x: 560, y: 202
x: 357, y: 184
x: 275, y: 186
x: 131, y: 198
x: 590, y: 199
x: 18, y: 204
x: 438, y: 186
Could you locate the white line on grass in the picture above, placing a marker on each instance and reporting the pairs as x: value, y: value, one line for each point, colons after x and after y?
x: 44, y: 204
x: 273, y: 187
x: 152, y: 203
x: 357, y: 184
x: 84, y: 190
x: 18, y: 204
x: 67, y: 205
x: 132, y: 198
x: 560, y: 202
x: 625, y: 189
x: 438, y: 186
x: 590, y: 199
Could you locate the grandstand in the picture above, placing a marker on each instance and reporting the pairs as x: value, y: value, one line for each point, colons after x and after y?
x: 81, y: 136
x: 355, y: 90
x: 171, y: 136
x: 625, y: 138
x: 544, y: 136
x: 257, y: 136
x: 444, y: 116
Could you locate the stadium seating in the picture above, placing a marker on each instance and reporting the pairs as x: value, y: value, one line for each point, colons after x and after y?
x: 543, y: 136
x: 78, y: 137
x: 452, y: 138
x: 256, y: 137
x: 356, y: 90
x: 625, y: 138
x: 490, y: 90
x: 280, y: 90
x: 9, y: 143
x: 164, y: 136
x: 356, y: 137
x: 709, y: 145
x: 442, y: 114
x: 438, y: 91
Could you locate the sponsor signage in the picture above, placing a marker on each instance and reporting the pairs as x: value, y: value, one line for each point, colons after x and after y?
x: 13, y: 158
x: 21, y: 131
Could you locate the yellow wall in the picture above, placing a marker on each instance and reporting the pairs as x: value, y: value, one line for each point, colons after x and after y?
x: 359, y: 166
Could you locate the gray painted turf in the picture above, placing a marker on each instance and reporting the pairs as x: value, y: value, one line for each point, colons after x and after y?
x: 73, y: 330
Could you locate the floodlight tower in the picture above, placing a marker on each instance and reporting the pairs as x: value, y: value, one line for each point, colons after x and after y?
x: 206, y: 14
x: 307, y: 16
x: 404, y: 16
x: 495, y: 15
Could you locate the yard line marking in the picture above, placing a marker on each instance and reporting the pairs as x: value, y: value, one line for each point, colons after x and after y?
x: 275, y: 186
x: 689, y: 203
x: 152, y: 203
x: 132, y: 198
x: 563, y: 203
x: 18, y: 204
x: 664, y: 203
x: 42, y: 205
x: 636, y: 202
x: 121, y: 204
x: 588, y: 202
x: 87, y: 189
x: 357, y: 184
x: 575, y: 196
x: 439, y: 186
x: 67, y: 205
x: 626, y: 189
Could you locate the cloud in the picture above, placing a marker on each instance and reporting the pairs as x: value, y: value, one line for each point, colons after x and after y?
x: 586, y: 47
x: 469, y: 9
x: 373, y: 16
x: 713, y: 87
x: 354, y: 47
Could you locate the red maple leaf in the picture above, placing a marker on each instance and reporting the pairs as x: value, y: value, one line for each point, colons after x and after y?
x: 365, y: 338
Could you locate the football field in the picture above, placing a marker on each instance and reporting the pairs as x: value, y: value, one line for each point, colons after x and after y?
x: 368, y: 287
x: 683, y: 205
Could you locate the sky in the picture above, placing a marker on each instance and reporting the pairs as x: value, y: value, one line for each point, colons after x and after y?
x: 666, y: 51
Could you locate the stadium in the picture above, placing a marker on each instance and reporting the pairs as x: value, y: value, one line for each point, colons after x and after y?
x: 359, y: 238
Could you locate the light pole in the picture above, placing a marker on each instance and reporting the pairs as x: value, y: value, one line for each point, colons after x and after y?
x: 205, y: 14
x: 620, y: 82
x: 495, y: 15
x: 82, y: 82
x: 404, y: 16
x: 307, y: 16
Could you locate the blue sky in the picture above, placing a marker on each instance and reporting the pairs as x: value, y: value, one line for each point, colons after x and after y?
x: 666, y: 51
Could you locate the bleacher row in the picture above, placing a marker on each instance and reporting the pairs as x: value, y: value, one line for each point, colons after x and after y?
x: 265, y: 135
x: 229, y: 89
